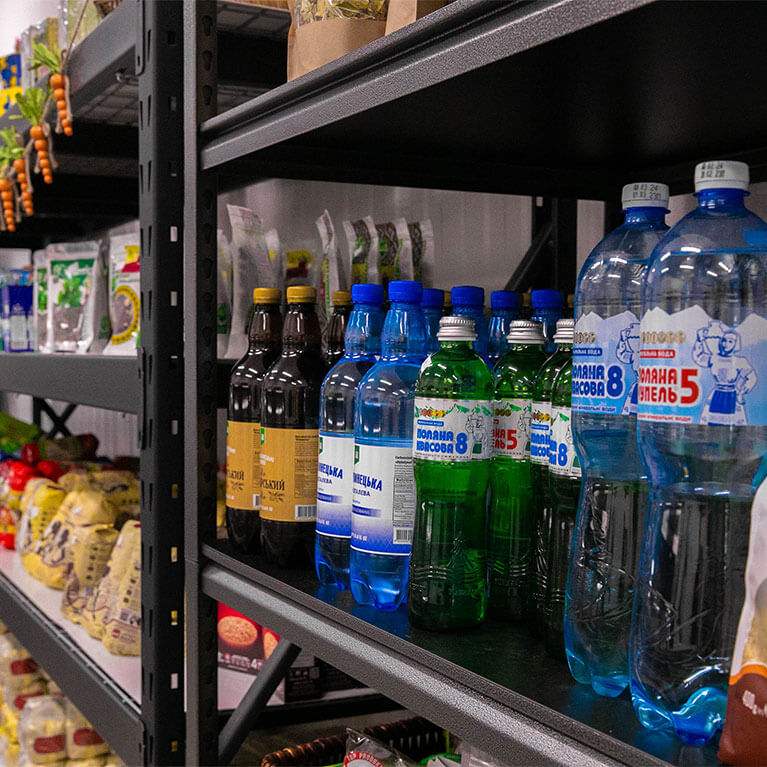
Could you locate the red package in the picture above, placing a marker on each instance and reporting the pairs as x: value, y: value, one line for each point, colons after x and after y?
x: 75, y: 448
x: 51, y: 469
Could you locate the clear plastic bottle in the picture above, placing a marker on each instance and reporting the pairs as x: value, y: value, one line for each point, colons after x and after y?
x: 433, y: 305
x: 451, y: 455
x: 613, y: 502
x: 504, y: 305
x: 548, y: 309
x: 342, y: 308
x: 702, y: 435
x: 336, y: 460
x: 384, y: 487
x: 469, y: 301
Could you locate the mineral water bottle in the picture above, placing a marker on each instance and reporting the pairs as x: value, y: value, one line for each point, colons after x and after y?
x: 433, y: 304
x: 611, y: 512
x: 548, y: 309
x: 702, y: 435
x: 512, y: 509
x: 451, y: 455
x: 384, y: 487
x: 342, y: 308
x: 336, y: 460
x: 469, y: 301
x: 504, y: 305
x: 539, y: 468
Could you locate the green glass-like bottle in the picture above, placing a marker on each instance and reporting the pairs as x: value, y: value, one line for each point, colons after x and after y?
x: 451, y: 452
x: 511, y: 523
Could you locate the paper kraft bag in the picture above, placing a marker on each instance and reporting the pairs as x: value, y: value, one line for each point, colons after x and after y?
x: 404, y: 12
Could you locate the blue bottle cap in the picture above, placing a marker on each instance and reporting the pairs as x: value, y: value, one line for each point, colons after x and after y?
x: 467, y: 295
x: 433, y: 297
x: 367, y: 293
x: 405, y: 290
x: 504, y: 299
x: 547, y: 299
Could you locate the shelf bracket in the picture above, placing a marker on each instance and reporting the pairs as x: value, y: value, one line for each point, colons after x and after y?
x: 41, y: 406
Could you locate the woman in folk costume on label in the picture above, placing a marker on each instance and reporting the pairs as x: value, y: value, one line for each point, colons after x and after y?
x: 627, y: 352
x: 734, y: 377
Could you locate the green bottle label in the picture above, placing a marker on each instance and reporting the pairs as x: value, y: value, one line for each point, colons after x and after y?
x: 452, y: 430
x: 511, y: 428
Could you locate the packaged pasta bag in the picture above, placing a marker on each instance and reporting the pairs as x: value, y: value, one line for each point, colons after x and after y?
x: 14, y: 700
x: 75, y: 479
x: 40, y: 300
x: 224, y: 294
x: 362, y: 244
x: 112, y: 760
x: 124, y: 293
x: 122, y: 625
x: 333, y: 275
x: 394, y: 252
x: 18, y: 669
x: 744, y: 737
x: 9, y: 751
x: 422, y: 242
x: 42, y: 730
x: 37, y: 512
x: 83, y: 742
x: 121, y: 488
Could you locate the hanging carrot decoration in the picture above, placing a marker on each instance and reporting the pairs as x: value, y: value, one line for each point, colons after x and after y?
x: 52, y: 59
x: 9, y: 207
x: 16, y: 156
x: 32, y: 107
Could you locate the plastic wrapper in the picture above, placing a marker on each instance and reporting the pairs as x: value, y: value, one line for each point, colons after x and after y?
x: 124, y: 293
x: 42, y: 730
x: 45, y: 32
x: 15, y: 697
x: 69, y: 10
x: 112, y: 760
x: 121, y: 488
x: 362, y: 246
x: 422, y: 244
x: 122, y: 625
x: 363, y: 751
x: 394, y: 251
x: 37, y: 513
x: 332, y: 274
x: 40, y: 300
x: 9, y: 750
x: 83, y: 742
x: 224, y: 288
x: 18, y: 669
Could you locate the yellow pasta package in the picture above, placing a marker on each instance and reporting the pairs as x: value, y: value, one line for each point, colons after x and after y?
x: 122, y: 626
x: 122, y: 488
x: 29, y: 490
x: 18, y: 669
x: 37, y: 513
x: 42, y: 730
x: 83, y: 742
x: 75, y: 479
x: 14, y: 700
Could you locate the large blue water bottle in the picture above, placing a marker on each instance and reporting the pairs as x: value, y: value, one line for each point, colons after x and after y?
x: 548, y: 308
x: 469, y: 301
x: 433, y: 304
x: 613, y: 499
x: 504, y: 305
x: 702, y: 435
x: 335, y: 468
x: 383, y: 508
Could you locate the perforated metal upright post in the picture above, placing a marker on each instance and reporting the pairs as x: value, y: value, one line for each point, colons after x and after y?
x: 161, y: 195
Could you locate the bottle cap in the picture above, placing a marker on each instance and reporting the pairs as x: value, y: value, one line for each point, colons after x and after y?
x: 547, y: 299
x: 721, y: 174
x: 367, y: 293
x: 456, y: 329
x: 433, y: 297
x: 302, y: 294
x: 266, y: 295
x: 565, y: 331
x: 467, y: 295
x: 342, y: 298
x: 409, y: 291
x: 645, y: 194
x: 525, y: 332
x: 504, y: 299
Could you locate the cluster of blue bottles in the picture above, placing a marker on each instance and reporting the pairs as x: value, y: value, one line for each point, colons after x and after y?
x: 433, y: 306
x: 504, y: 306
x: 548, y: 309
x: 469, y: 301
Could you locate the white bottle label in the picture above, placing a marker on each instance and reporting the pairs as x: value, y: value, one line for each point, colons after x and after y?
x: 451, y: 430
x: 335, y: 472
x: 540, y: 424
x: 562, y: 458
x: 511, y: 428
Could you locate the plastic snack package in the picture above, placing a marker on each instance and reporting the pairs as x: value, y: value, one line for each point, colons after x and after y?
x: 362, y: 243
x: 422, y: 241
x: 121, y: 488
x: 122, y: 625
x: 18, y: 669
x: 83, y: 742
x: 274, y: 249
x: 92, y: 761
x: 112, y: 760
x: 42, y: 730
x: 40, y: 300
x: 362, y: 751
x: 224, y: 290
x: 14, y: 700
x: 9, y: 751
x: 333, y: 276
x: 124, y: 293
x: 394, y: 251
x: 405, y: 268
x: 37, y: 513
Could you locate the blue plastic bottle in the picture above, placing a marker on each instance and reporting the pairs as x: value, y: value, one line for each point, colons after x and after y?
x: 548, y: 308
x: 384, y: 486
x: 433, y: 305
x: 613, y: 500
x: 469, y: 301
x: 505, y: 308
x: 362, y: 346
x: 702, y: 435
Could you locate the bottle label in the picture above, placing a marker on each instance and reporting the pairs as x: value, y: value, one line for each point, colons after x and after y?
x: 606, y: 364
x: 451, y: 430
x: 243, y: 469
x: 562, y: 458
x: 697, y: 370
x: 335, y: 473
x: 511, y: 428
x: 289, y: 474
x: 384, y: 499
x: 540, y: 424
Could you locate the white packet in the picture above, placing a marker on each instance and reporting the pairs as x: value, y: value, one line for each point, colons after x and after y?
x: 332, y: 275
x: 124, y: 293
x: 422, y: 242
x: 40, y: 300
x: 404, y: 251
x: 224, y: 292
x: 272, y: 238
x: 362, y: 244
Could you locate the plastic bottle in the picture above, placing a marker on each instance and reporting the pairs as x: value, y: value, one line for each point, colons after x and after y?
x: 512, y: 508
x: 469, y: 301
x: 433, y: 304
x: 336, y: 460
x: 565, y: 486
x: 451, y: 456
x: 342, y: 308
x: 505, y: 308
x: 243, y: 425
x: 290, y: 398
x: 384, y: 487
x: 539, y: 469
x: 702, y: 435
x: 548, y: 309
x: 613, y: 502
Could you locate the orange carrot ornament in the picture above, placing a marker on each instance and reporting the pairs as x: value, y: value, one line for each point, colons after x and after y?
x: 52, y: 59
x: 32, y: 107
x: 16, y: 157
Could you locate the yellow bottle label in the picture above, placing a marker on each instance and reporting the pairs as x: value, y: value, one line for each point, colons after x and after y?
x: 289, y: 474
x: 243, y: 469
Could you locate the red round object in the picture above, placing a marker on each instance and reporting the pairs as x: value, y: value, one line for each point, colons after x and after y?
x: 50, y: 469
x: 30, y: 453
x: 20, y: 474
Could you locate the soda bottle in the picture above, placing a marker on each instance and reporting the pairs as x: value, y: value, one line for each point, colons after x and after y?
x: 433, y: 304
x: 565, y: 485
x: 451, y: 456
x: 539, y: 469
x: 342, y: 308
x: 512, y: 508
x: 384, y: 487
x: 548, y: 309
x: 702, y: 435
x: 611, y: 511
x: 336, y: 460
x: 243, y: 425
x: 505, y: 308
x: 469, y: 301
x: 290, y: 398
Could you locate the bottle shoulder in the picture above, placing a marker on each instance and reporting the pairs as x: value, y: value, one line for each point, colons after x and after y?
x: 302, y: 370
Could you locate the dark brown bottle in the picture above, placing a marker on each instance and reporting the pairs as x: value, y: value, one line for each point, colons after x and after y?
x: 243, y: 425
x: 342, y: 308
x: 290, y: 436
